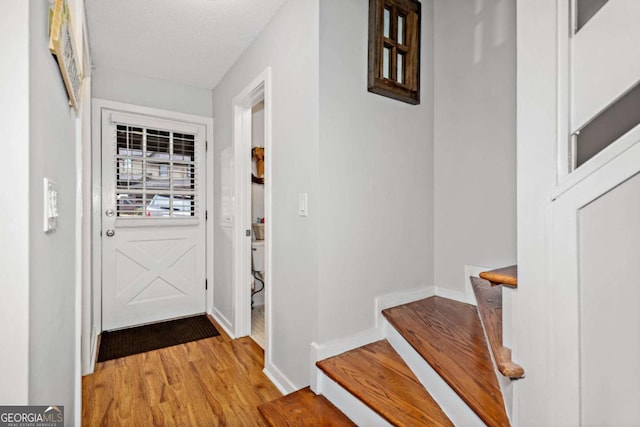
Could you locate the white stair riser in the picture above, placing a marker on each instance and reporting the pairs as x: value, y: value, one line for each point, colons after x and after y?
x: 350, y: 405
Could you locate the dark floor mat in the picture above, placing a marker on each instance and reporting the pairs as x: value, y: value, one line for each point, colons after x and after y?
x: 126, y: 342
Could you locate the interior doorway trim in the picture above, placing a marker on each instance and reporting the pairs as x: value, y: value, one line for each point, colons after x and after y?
x: 98, y: 107
x: 258, y: 90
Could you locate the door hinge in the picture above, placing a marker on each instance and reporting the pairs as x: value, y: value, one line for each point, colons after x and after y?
x: 206, y: 284
x: 206, y: 215
x: 206, y: 145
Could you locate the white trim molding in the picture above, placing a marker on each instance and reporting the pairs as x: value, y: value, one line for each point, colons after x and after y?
x: 623, y: 144
x: 223, y: 322
x: 398, y: 298
x: 260, y: 89
x: 279, y: 379
x: 351, y: 406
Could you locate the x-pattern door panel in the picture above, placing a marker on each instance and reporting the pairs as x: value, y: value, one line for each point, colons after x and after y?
x: 153, y: 240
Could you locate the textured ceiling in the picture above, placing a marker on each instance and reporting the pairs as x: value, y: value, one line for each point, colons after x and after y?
x: 191, y: 42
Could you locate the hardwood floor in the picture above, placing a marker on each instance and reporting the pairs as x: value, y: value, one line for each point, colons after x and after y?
x: 301, y: 409
x: 211, y: 382
x: 257, y: 325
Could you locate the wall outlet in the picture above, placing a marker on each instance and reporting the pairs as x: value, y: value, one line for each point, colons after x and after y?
x: 50, y: 205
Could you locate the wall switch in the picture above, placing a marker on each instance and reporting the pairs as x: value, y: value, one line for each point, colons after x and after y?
x: 50, y: 205
x: 303, y: 204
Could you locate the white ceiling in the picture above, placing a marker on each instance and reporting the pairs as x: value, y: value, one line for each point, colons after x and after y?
x: 191, y: 42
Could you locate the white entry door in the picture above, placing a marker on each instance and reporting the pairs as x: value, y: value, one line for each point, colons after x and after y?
x: 153, y: 219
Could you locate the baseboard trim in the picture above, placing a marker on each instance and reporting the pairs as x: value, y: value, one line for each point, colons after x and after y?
x: 279, y: 379
x: 467, y: 296
x: 223, y: 322
x: 351, y: 406
x: 339, y: 346
x: 455, y: 295
x: 93, y: 354
x: 398, y: 298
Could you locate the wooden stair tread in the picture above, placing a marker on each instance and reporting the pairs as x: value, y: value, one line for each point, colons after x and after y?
x: 378, y: 376
x: 502, y: 276
x: 490, y: 308
x: 303, y: 408
x: 449, y: 336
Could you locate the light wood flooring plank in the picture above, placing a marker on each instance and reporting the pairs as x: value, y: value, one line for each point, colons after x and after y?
x: 303, y: 408
x: 257, y: 325
x: 212, y: 382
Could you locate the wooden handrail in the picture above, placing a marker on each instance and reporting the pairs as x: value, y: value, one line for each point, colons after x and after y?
x: 502, y: 276
x: 489, y: 298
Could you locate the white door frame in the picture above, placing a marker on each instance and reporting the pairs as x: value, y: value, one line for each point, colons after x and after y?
x: 98, y: 106
x: 258, y: 90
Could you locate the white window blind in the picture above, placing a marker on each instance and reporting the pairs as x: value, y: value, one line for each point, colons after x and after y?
x: 156, y: 173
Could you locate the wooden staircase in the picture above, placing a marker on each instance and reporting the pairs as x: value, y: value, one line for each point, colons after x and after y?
x: 393, y: 391
x: 436, y: 368
x: 303, y: 408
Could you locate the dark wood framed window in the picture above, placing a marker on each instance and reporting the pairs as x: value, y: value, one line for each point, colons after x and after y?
x: 394, y: 49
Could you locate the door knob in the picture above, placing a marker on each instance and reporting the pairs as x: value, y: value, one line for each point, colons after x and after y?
x: 110, y: 233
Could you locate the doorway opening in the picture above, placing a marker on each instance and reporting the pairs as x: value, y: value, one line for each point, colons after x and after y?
x: 150, y: 199
x: 257, y: 223
x: 252, y: 226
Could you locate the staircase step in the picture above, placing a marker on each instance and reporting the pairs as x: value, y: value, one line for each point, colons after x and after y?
x: 502, y: 276
x: 378, y: 376
x: 449, y: 337
x: 303, y: 408
x: 490, y: 308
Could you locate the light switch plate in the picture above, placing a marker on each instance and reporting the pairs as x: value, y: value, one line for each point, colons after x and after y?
x: 303, y: 204
x: 50, y: 205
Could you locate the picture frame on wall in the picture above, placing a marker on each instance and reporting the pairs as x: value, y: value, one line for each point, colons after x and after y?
x: 62, y: 46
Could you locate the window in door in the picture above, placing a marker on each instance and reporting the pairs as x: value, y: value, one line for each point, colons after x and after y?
x: 156, y: 174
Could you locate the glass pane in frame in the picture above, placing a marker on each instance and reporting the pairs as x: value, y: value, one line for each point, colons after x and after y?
x: 585, y: 10
x: 387, y: 23
x: 386, y: 63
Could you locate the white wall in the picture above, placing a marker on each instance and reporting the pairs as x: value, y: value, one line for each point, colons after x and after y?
x: 475, y: 146
x: 14, y: 202
x: 609, y: 317
x: 536, y: 136
x: 52, y: 302
x: 376, y: 176
x: 116, y: 85
x: 289, y: 44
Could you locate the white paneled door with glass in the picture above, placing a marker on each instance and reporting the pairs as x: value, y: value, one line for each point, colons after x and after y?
x: 153, y: 219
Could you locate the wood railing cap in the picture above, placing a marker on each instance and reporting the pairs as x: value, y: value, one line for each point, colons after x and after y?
x: 502, y: 276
